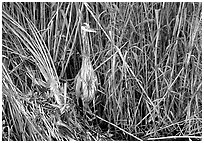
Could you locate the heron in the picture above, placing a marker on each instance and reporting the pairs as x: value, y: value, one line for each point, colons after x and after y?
x: 86, y: 79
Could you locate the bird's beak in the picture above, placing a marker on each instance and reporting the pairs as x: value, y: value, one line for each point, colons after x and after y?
x: 89, y: 30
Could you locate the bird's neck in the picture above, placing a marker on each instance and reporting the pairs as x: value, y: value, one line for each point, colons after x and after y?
x: 86, y: 46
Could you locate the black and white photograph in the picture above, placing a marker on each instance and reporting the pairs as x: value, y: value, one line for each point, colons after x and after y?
x: 101, y: 71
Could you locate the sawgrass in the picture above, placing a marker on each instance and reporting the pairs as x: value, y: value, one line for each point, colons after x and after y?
x: 147, y: 57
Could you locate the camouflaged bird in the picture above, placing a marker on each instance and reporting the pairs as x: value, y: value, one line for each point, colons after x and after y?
x: 86, y: 79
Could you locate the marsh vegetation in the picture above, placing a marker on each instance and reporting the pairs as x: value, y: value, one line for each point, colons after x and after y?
x: 147, y: 58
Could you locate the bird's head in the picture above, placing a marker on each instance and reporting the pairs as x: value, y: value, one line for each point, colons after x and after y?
x: 86, y: 28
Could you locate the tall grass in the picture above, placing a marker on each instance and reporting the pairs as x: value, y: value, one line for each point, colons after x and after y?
x: 147, y: 57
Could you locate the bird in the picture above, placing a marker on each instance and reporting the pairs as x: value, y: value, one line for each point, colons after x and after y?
x: 86, y: 80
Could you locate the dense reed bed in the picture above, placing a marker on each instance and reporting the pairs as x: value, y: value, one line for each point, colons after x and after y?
x: 147, y: 57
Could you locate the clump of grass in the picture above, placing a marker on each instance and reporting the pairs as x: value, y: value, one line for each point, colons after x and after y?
x: 147, y: 57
